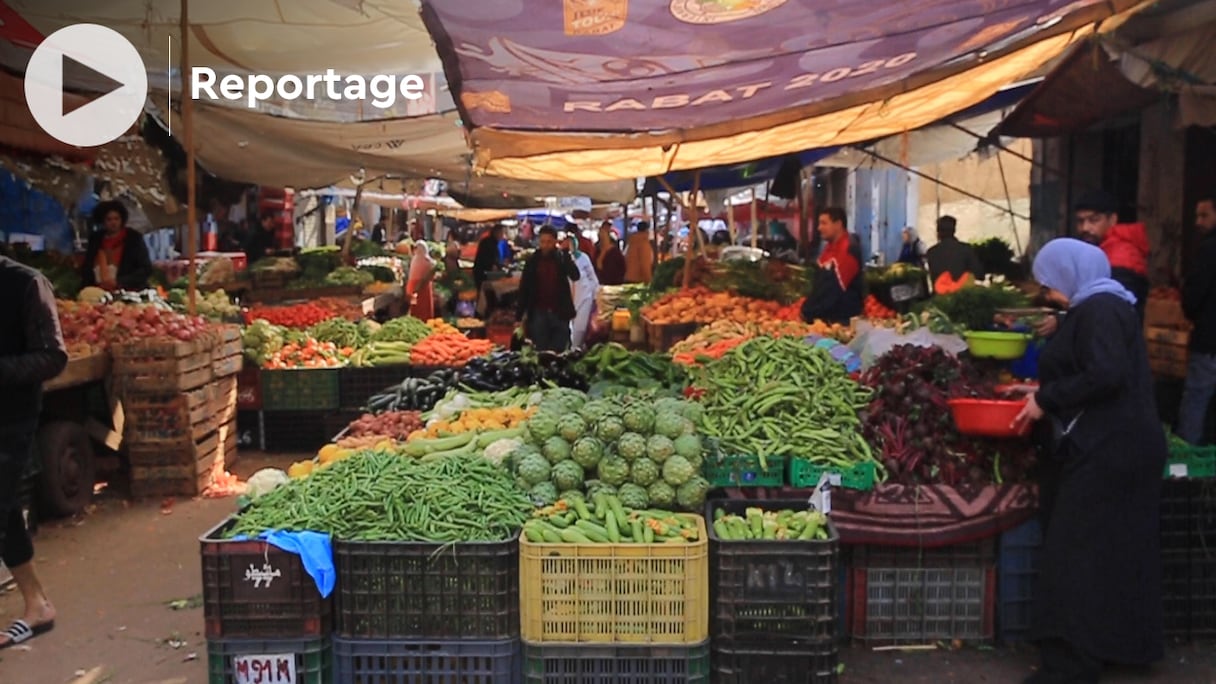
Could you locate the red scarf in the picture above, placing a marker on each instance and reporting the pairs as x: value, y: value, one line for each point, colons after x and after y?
x: 112, y: 247
x: 836, y: 256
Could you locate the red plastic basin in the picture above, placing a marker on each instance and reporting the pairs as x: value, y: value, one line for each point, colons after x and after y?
x: 987, y: 417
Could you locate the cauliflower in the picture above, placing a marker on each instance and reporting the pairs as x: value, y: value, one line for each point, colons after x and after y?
x: 265, y: 481
x: 496, y: 452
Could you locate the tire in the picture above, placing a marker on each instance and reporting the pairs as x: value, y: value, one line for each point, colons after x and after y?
x: 68, y: 468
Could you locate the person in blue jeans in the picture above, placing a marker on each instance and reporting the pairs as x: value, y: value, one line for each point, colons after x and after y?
x: 1199, y: 305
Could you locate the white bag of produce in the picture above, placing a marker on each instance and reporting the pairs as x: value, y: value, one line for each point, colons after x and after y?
x: 871, y: 342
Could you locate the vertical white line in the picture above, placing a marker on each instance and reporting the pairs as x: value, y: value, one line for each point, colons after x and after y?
x: 169, y: 74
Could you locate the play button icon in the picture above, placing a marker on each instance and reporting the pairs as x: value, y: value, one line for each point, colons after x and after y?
x: 95, y: 60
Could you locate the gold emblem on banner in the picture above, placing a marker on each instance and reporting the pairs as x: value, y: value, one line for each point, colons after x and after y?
x: 594, y: 17
x: 491, y: 101
x: 720, y: 11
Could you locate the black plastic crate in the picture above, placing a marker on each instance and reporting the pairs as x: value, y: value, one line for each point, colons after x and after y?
x: 249, y: 430
x: 1176, y: 594
x: 336, y: 422
x: 313, y: 660
x: 294, y: 431
x: 394, y: 590
x: 907, y: 595
x: 368, y: 661
x: 254, y: 590
x: 1017, y: 572
x: 802, y: 663
x: 1178, y: 514
x: 610, y: 664
x: 772, y: 592
x: 355, y: 385
x: 1203, y: 563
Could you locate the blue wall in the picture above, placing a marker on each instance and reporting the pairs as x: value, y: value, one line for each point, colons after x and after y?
x: 26, y: 210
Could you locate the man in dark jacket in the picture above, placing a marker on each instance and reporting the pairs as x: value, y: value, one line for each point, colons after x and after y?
x: 116, y: 257
x: 837, y: 293
x: 950, y: 255
x: 488, y: 256
x: 1199, y: 305
x: 261, y: 241
x: 31, y: 352
x: 546, y: 304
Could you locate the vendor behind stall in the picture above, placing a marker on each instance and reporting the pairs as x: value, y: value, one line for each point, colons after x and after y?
x: 836, y: 297
x: 260, y: 243
x: 116, y: 257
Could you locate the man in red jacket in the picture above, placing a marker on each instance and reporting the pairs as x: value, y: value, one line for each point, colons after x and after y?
x: 1125, y: 244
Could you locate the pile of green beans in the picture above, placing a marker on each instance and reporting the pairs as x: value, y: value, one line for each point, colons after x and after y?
x: 784, y: 397
x: 384, y: 497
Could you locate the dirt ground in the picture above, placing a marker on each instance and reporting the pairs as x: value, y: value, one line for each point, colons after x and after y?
x: 114, y: 573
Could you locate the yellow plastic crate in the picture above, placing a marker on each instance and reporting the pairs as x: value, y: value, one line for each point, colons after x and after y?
x: 615, y: 593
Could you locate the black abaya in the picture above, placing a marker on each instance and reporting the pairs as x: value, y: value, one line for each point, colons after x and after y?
x: 1100, y: 571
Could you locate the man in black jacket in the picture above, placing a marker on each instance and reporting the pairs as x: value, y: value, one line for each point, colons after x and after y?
x: 31, y: 352
x: 546, y: 304
x: 1199, y: 304
x: 950, y: 255
x: 488, y: 254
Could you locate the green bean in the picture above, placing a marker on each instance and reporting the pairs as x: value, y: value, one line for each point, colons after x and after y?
x: 382, y: 497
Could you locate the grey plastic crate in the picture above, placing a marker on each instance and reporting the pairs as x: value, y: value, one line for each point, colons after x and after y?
x: 611, y: 664
x: 368, y: 661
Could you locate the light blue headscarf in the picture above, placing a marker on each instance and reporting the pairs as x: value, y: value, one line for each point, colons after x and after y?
x: 1078, y: 270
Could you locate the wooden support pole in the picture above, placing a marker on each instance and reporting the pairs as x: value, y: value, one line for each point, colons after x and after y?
x: 191, y: 180
x: 730, y: 221
x: 804, y: 235
x: 755, y: 227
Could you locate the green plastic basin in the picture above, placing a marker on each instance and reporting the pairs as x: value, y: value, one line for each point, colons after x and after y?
x: 1006, y: 346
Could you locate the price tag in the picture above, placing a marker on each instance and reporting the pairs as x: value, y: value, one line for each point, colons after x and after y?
x: 1178, y: 470
x: 264, y: 669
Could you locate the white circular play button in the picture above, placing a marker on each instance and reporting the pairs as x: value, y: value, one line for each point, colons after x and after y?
x: 100, y: 62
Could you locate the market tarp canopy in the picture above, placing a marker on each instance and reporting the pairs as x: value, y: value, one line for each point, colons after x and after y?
x: 583, y: 93
x: 271, y: 150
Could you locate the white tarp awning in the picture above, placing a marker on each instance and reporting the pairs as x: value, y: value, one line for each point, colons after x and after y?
x: 1183, y: 63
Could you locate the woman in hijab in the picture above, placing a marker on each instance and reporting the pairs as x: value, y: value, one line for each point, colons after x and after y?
x: 913, y: 250
x: 419, y: 288
x: 1098, y: 598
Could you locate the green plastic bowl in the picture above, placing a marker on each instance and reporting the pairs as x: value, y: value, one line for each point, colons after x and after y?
x: 1006, y: 346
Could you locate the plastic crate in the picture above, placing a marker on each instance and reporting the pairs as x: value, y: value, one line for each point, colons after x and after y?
x: 249, y: 388
x: 254, y: 590
x: 362, y: 661
x: 1017, y: 571
x: 1191, y: 462
x: 294, y: 431
x: 1178, y: 515
x: 309, y: 389
x: 313, y: 659
x: 390, y: 590
x: 806, y: 474
x: 615, y: 593
x: 1203, y: 563
x: 1176, y: 594
x: 584, y: 664
x: 772, y: 592
x: 801, y: 663
x: 909, y: 595
x: 744, y: 471
x: 249, y: 430
x: 355, y: 385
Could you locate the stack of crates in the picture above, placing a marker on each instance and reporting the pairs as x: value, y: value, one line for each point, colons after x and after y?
x: 907, y: 595
x: 774, y: 604
x: 420, y: 612
x: 295, y: 404
x: 1017, y: 572
x: 607, y: 613
x: 179, y: 410
x: 263, y: 614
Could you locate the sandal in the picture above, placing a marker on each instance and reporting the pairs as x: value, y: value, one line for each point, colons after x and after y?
x: 20, y: 632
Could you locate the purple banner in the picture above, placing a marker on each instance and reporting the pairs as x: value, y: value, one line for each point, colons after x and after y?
x: 639, y: 65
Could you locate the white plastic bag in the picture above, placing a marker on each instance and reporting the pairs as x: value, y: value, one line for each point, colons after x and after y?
x: 871, y: 342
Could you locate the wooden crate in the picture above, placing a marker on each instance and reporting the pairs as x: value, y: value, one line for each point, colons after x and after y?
x: 217, y: 454
x: 156, y: 420
x: 163, y: 367
x: 1167, y: 350
x: 1164, y: 313
x: 661, y: 338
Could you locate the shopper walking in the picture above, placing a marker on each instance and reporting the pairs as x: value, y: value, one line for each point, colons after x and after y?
x: 31, y: 352
x: 583, y: 291
x: 609, y: 261
x: 420, y: 288
x: 546, y: 305
x: 1199, y: 305
x: 1098, y: 598
x: 639, y: 256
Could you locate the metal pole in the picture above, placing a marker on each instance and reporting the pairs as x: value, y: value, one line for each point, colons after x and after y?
x: 755, y: 231
x: 188, y: 121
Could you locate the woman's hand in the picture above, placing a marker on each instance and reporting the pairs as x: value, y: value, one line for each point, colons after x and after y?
x: 1030, y: 413
x: 1048, y: 326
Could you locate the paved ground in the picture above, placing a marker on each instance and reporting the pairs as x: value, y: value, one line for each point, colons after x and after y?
x: 114, y: 574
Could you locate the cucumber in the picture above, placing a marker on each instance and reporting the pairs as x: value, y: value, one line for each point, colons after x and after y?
x: 594, y: 532
x: 574, y: 536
